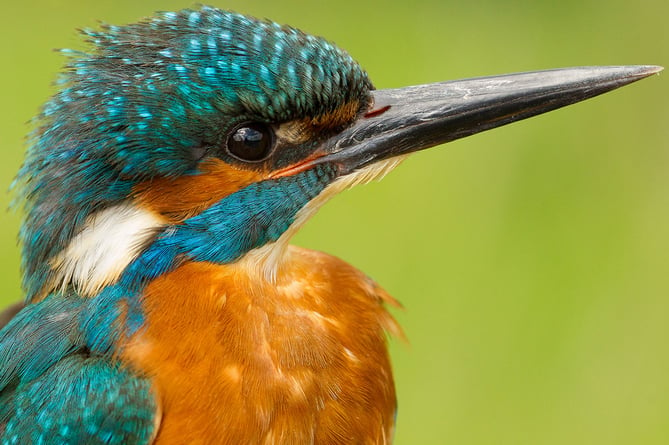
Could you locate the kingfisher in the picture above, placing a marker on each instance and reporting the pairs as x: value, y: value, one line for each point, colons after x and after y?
x: 161, y: 187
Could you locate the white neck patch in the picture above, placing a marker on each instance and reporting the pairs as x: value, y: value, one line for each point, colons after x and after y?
x: 112, y: 238
x: 109, y: 241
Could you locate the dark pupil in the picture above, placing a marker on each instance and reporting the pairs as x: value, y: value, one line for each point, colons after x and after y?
x: 250, y: 142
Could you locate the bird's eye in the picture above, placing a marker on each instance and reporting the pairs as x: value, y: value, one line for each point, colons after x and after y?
x: 251, y: 141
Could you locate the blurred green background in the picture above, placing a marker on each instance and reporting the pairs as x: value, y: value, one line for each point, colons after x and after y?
x: 532, y: 260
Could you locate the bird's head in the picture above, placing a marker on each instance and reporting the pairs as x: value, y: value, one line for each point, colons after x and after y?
x: 211, y: 136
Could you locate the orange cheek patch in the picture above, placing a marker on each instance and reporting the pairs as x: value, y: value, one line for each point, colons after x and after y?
x: 186, y: 196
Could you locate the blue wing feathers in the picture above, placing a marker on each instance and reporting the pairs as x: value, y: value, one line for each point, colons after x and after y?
x: 82, y: 400
x: 37, y: 337
x: 53, y: 390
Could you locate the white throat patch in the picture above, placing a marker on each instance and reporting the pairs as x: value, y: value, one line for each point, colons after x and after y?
x: 109, y: 241
x: 265, y: 261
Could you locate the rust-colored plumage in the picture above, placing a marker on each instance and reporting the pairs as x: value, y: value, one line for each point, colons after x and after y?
x: 255, y: 362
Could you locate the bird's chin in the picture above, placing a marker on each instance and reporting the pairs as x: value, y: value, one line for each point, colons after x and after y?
x: 364, y: 175
x: 266, y: 261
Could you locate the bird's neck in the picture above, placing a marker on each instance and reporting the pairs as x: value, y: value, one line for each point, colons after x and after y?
x: 130, y: 242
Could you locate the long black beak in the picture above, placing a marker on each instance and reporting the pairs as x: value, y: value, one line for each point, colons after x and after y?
x: 405, y: 120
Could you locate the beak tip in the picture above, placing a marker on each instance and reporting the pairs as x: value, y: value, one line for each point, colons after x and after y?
x: 652, y: 69
x: 640, y: 71
x: 611, y: 75
x: 618, y: 76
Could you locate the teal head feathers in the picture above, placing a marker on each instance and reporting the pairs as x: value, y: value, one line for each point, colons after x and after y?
x: 155, y: 100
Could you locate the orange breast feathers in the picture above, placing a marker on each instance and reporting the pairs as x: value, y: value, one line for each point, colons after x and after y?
x: 236, y: 359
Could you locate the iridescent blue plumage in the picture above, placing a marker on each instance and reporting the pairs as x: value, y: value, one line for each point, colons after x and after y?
x: 42, y: 415
x: 150, y: 98
x: 148, y: 102
x: 47, y: 379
